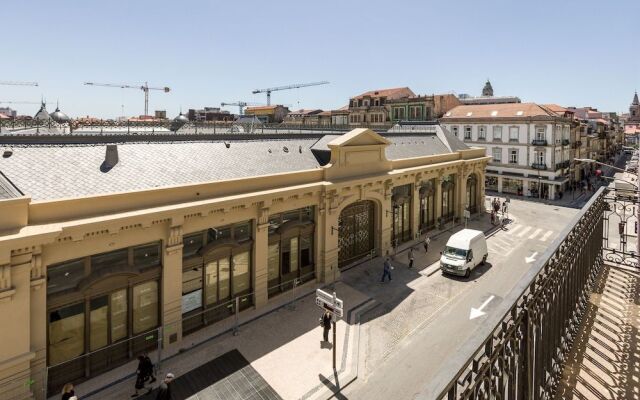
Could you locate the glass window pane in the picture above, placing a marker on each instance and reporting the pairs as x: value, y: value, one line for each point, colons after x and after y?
x: 221, y: 233
x: 223, y: 279
x: 192, y: 244
x: 98, y: 326
x: 307, y: 213
x: 66, y: 333
x: 294, y: 254
x: 306, y: 257
x: 242, y: 231
x: 64, y: 276
x: 293, y: 215
x: 114, y: 259
x: 241, y: 273
x: 274, y: 261
x: 191, y: 280
x: 274, y: 222
x: 118, y: 315
x: 145, y: 306
x: 211, y: 282
x: 147, y: 255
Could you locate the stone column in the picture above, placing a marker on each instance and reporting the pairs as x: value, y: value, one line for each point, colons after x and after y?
x: 461, y: 185
x: 172, y: 285
x: 438, y: 198
x: 552, y: 192
x: 386, y: 225
x: 481, y: 189
x: 415, y: 210
x: 525, y: 187
x: 16, y: 352
x: 38, y: 323
x: 261, y: 258
x: 499, y: 184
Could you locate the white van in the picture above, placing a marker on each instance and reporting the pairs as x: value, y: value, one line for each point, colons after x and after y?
x: 463, y: 252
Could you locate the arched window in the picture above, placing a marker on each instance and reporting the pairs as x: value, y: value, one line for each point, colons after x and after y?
x: 472, y: 193
x: 427, y: 204
x: 448, y: 198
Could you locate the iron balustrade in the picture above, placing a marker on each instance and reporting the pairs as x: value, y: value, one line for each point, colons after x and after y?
x: 539, y: 142
x: 520, y: 350
x: 539, y: 166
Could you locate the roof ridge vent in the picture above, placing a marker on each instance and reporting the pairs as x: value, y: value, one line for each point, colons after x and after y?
x: 110, y: 158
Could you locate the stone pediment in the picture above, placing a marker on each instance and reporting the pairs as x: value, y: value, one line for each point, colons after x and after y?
x: 359, y: 137
x: 356, y: 153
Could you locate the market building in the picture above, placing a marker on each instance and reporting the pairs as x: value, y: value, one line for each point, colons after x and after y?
x: 106, y: 248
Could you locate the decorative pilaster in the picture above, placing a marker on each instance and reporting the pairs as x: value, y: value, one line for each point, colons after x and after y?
x: 261, y: 258
x: 438, y: 211
x: 172, y: 285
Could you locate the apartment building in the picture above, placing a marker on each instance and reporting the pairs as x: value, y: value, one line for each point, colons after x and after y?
x: 530, y: 145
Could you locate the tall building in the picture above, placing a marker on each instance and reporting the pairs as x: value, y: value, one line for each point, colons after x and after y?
x: 370, y: 108
x: 106, y: 248
x: 209, y: 114
x: 632, y: 124
x: 487, y: 97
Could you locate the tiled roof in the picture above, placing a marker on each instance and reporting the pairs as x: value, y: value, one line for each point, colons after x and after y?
x: 507, y: 110
x: 7, y: 189
x: 74, y: 171
x: 260, y: 108
x: 393, y: 93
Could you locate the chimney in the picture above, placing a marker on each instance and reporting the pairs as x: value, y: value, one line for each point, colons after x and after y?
x: 110, y: 158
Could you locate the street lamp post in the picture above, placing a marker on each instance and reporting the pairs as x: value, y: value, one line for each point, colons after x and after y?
x: 637, y: 207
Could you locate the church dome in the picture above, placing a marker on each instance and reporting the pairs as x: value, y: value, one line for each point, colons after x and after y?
x: 487, y: 90
x: 181, y: 118
x: 59, y: 117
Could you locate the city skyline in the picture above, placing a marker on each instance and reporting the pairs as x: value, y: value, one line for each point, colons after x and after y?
x: 209, y: 53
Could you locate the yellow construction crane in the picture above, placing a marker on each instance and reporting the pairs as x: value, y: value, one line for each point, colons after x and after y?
x: 295, y: 86
x: 15, y: 83
x: 145, y: 88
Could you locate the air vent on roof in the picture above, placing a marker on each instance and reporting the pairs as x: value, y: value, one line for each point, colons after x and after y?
x: 7, y: 153
x: 285, y: 149
x: 227, y: 144
x: 300, y: 149
x: 110, y: 158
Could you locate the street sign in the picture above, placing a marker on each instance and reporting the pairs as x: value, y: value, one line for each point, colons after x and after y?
x: 329, y: 302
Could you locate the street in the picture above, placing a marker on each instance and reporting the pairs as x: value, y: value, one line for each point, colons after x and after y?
x: 416, y: 328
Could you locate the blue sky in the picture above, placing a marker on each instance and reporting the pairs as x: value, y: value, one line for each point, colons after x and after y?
x: 564, y: 51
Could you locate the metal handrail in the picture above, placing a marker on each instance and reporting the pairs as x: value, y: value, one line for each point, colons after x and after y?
x: 453, y: 371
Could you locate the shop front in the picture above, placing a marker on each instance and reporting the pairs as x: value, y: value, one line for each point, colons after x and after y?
x: 103, y: 310
x: 401, y: 205
x: 448, y: 198
x: 512, y: 186
x: 216, y: 269
x: 427, y: 205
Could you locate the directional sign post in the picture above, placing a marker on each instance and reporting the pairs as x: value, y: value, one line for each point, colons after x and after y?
x: 329, y: 302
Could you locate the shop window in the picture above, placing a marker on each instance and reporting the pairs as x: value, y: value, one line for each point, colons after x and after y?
x: 119, y: 315
x: 242, y: 232
x: 306, y: 252
x: 211, y: 276
x: 66, y: 333
x: 146, y: 256
x: 64, y: 276
x: 192, y: 244
x: 145, y: 307
x: 224, y: 279
x: 98, y: 325
x: 113, y: 259
x: 274, y: 263
x: 241, y: 273
x: 215, y: 234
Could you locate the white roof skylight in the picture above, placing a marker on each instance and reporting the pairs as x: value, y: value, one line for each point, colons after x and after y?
x: 519, y: 113
x: 494, y: 113
x: 448, y: 114
x: 469, y: 114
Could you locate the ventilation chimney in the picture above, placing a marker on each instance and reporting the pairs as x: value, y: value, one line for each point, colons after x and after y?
x: 110, y: 158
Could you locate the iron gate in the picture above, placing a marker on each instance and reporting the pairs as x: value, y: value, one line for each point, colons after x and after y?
x: 355, y: 227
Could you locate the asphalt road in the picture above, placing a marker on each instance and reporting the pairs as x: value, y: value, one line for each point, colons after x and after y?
x: 417, y: 357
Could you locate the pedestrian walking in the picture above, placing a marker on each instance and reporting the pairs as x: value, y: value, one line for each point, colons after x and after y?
x: 164, y: 390
x: 504, y: 207
x: 68, y: 391
x: 493, y: 217
x: 426, y: 243
x: 387, y: 270
x: 410, y: 257
x: 141, y: 376
x: 148, y: 368
x: 325, y: 322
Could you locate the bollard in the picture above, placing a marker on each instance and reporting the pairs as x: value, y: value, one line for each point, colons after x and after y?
x: 236, y: 329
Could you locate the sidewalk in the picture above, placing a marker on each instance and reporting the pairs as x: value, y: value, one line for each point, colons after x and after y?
x: 283, y: 347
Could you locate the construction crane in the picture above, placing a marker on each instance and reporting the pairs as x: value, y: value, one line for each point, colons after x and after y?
x: 145, y: 88
x: 15, y: 83
x: 241, y: 105
x: 273, y: 89
x: 19, y: 102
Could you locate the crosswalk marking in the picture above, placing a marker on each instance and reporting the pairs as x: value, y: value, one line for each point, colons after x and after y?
x: 515, y: 229
x: 524, y: 232
x: 546, y: 236
x: 536, y: 233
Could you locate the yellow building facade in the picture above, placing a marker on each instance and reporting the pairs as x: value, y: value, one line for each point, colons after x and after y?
x: 81, y: 274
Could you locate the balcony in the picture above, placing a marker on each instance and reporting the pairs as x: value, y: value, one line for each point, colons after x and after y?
x: 565, y: 142
x: 568, y: 329
x: 576, y: 144
x: 562, y: 164
x: 539, y: 166
x: 539, y: 142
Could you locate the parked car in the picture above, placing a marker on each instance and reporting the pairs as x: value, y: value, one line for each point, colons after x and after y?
x: 464, y: 251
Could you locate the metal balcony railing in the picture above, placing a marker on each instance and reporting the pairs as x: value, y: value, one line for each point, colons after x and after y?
x: 565, y: 142
x: 520, y: 350
x: 539, y: 142
x: 539, y: 166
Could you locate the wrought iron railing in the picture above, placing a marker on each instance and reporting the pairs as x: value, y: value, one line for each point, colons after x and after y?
x: 539, y: 142
x: 519, y: 353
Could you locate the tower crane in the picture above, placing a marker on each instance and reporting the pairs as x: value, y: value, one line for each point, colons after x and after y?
x: 241, y: 105
x: 16, y: 83
x: 19, y: 102
x: 145, y: 88
x: 295, y: 86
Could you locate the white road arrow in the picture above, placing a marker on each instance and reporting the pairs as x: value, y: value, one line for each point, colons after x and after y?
x: 477, y: 312
x: 531, y: 258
